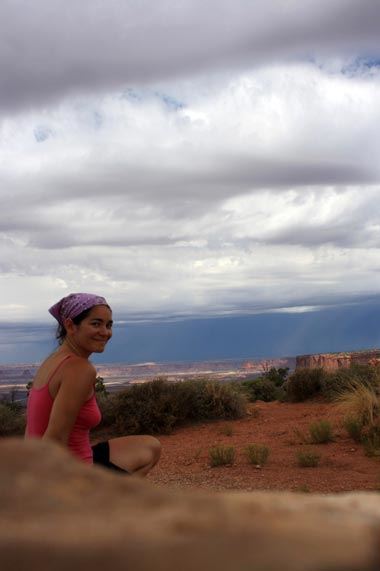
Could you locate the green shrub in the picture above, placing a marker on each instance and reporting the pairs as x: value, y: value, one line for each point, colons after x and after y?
x: 100, y: 387
x: 308, y: 458
x: 12, y: 419
x: 107, y: 405
x: 270, y: 386
x: 320, y: 432
x: 354, y: 427
x: 304, y: 384
x: 277, y: 376
x: 257, y: 454
x: 335, y: 383
x: 307, y: 383
x: 262, y: 389
x: 222, y: 455
x: 158, y: 406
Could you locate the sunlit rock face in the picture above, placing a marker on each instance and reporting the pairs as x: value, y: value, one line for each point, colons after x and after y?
x: 59, y: 514
x: 333, y: 361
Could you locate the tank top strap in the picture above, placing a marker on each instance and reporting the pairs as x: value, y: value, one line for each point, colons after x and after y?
x: 57, y: 368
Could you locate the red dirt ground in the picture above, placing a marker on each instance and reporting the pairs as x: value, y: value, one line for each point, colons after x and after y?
x: 343, y: 466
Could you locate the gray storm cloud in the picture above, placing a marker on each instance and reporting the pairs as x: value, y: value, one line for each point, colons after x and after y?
x: 50, y: 49
x: 189, y: 158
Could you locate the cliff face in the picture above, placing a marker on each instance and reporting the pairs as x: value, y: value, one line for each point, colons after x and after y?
x: 333, y: 361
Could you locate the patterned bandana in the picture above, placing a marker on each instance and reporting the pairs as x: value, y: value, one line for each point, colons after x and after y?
x: 73, y: 304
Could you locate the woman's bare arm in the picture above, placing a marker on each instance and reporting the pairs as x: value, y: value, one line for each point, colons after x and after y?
x: 77, y: 385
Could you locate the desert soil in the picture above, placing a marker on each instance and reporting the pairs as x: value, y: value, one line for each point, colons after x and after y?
x: 280, y: 426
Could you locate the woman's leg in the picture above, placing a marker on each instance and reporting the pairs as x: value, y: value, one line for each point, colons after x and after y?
x: 136, y: 454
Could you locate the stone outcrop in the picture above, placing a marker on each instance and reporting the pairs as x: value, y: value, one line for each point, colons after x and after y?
x: 56, y: 513
x: 333, y: 361
x: 264, y: 365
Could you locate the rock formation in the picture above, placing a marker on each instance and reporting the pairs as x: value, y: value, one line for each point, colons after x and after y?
x: 333, y: 361
x: 58, y: 514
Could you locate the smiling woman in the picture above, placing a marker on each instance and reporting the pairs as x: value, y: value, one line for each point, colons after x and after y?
x: 62, y: 404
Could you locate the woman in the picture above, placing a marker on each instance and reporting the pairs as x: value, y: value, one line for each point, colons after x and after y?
x: 62, y: 405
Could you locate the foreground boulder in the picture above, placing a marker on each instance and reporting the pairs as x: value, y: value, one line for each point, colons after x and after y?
x: 56, y: 513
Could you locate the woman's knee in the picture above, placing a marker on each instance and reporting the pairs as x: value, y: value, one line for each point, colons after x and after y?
x: 155, y: 448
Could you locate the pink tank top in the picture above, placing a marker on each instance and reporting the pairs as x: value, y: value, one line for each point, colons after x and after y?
x: 38, y: 412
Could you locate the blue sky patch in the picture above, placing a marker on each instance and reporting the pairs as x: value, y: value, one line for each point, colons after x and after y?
x: 42, y: 133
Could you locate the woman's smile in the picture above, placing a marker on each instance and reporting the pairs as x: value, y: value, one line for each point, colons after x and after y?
x: 94, y: 332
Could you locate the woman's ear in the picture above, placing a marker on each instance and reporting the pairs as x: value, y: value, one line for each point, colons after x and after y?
x: 69, y: 325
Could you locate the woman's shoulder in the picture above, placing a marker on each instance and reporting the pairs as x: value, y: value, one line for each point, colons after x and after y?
x: 77, y: 375
x: 80, y: 364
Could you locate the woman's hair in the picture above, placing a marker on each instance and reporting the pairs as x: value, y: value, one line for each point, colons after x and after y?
x: 61, y: 332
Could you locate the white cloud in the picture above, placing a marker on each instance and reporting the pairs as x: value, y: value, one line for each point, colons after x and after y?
x: 253, y: 188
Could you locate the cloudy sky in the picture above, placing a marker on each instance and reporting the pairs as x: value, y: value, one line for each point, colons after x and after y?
x: 191, y: 160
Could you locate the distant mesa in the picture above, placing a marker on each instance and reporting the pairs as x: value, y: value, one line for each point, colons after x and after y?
x: 263, y: 365
x: 249, y: 365
x: 334, y: 361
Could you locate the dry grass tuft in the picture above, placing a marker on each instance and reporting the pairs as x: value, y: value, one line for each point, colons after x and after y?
x: 354, y: 427
x: 221, y: 456
x: 359, y: 401
x: 257, y: 454
x: 320, y: 432
x: 308, y: 459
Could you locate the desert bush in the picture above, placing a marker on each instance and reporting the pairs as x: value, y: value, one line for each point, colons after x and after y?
x: 221, y: 455
x: 12, y: 419
x: 340, y: 381
x: 262, y: 389
x: 304, y: 384
x: 277, y: 376
x: 354, y: 427
x: 308, y: 458
x: 215, y: 400
x: 107, y: 405
x: 100, y: 387
x: 257, y: 454
x: 320, y: 432
x: 307, y: 383
x: 336, y: 382
x: 158, y: 406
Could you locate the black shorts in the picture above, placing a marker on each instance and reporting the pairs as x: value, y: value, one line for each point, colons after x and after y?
x: 101, y: 456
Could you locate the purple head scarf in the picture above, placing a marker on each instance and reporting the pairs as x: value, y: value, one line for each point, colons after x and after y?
x: 73, y: 304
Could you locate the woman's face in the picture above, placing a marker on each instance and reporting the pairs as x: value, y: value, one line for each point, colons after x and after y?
x: 93, y: 333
